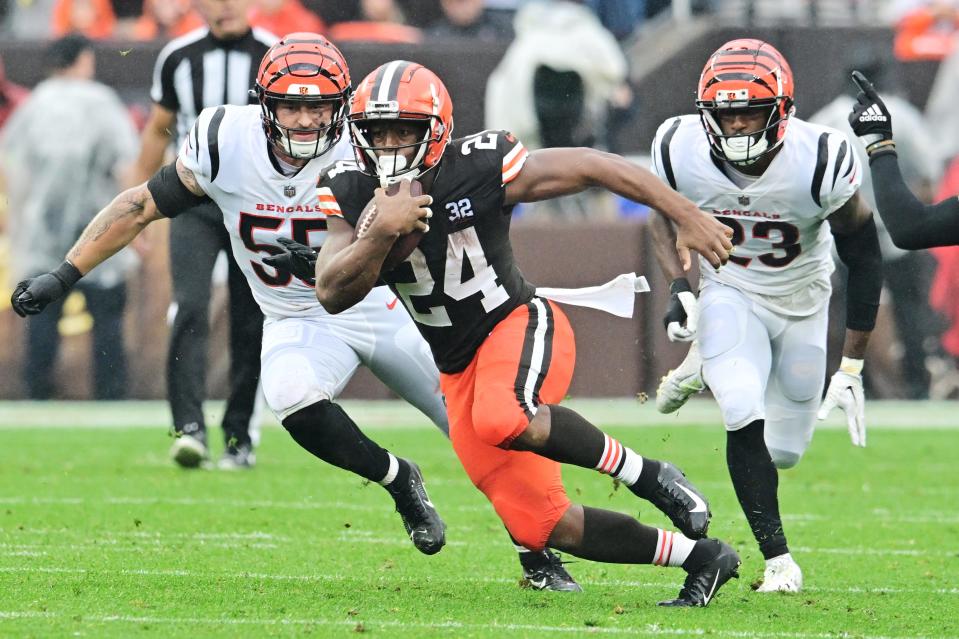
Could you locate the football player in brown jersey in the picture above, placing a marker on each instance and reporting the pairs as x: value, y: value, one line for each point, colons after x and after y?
x: 505, y: 354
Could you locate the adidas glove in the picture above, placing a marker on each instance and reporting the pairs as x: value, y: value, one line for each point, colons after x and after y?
x: 870, y: 119
x: 296, y: 258
x: 33, y: 295
x: 682, y: 316
x: 845, y: 391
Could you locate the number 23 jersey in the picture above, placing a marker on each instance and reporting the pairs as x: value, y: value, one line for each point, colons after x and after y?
x: 783, y: 257
x: 462, y: 279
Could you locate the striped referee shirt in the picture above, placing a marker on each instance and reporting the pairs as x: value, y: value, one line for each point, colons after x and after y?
x: 197, y: 70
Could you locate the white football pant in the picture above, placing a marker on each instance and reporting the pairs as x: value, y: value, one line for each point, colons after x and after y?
x: 306, y: 360
x: 763, y: 365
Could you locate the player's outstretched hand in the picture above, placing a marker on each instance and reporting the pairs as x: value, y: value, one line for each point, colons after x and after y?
x: 682, y: 316
x: 845, y: 391
x: 401, y: 213
x: 870, y: 119
x: 707, y: 236
x: 296, y: 258
x: 33, y: 295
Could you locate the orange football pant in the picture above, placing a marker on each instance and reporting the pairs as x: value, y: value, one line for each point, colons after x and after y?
x: 527, y: 360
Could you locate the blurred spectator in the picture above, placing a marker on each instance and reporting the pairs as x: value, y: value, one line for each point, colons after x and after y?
x: 926, y: 30
x: 165, y: 19
x: 944, y: 294
x: 285, y: 16
x: 906, y: 273
x: 555, y: 85
x: 557, y: 78
x: 380, y: 21
x: 62, y: 152
x: 92, y: 18
x: 11, y: 95
x: 621, y: 17
x: 941, y: 114
x: 470, y: 19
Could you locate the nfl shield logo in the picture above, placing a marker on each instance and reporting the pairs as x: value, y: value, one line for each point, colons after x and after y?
x: 744, y: 200
x: 289, y: 190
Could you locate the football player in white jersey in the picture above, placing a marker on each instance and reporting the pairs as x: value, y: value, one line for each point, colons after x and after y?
x: 788, y: 189
x: 266, y: 187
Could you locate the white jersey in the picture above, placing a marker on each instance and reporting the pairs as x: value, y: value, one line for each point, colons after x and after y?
x: 783, y: 256
x: 227, y: 152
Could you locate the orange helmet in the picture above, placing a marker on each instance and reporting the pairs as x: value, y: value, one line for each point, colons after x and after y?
x: 401, y: 90
x: 745, y: 74
x: 303, y: 67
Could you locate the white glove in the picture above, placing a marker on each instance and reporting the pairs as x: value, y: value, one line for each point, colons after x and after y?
x: 685, y: 333
x: 845, y: 391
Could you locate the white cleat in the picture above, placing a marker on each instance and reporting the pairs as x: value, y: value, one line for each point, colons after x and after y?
x: 682, y: 382
x: 189, y: 452
x: 782, y: 575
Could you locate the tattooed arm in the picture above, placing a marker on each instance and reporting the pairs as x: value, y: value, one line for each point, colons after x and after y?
x: 116, y: 225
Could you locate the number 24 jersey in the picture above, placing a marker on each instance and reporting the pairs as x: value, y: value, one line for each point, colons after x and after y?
x: 462, y: 279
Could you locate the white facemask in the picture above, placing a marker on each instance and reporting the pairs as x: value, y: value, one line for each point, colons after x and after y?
x: 389, y: 165
x: 743, y: 149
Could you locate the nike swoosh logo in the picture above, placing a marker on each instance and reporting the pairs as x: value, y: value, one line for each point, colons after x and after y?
x: 700, y: 504
x: 390, y: 305
x: 712, y: 590
x: 538, y: 584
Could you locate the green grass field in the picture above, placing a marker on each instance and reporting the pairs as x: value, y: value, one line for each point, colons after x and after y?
x: 100, y: 536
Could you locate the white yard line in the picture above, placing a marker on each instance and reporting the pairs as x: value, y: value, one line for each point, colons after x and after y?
x: 391, y: 414
x: 650, y: 630
x: 327, y: 578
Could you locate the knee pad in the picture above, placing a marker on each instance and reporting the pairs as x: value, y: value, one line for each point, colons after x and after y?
x: 738, y: 390
x: 784, y: 459
x: 801, y: 373
x: 289, y: 384
x: 498, y: 423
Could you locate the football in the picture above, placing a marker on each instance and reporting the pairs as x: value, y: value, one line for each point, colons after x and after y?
x: 404, y: 244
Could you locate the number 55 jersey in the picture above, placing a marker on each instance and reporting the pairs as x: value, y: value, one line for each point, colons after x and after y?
x: 461, y: 280
x: 783, y: 248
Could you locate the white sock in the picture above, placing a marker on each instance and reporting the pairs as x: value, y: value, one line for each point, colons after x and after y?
x: 672, y: 548
x: 620, y: 461
x: 391, y: 473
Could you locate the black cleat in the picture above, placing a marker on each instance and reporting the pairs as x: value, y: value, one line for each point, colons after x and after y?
x: 701, y: 584
x: 679, y: 500
x: 420, y: 518
x: 545, y: 571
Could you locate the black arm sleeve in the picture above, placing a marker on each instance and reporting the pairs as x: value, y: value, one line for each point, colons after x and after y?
x: 911, y: 224
x: 859, y: 251
x: 170, y: 194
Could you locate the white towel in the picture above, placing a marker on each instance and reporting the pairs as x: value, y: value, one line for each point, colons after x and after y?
x: 616, y: 297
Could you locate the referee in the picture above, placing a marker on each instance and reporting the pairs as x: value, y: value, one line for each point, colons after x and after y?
x: 210, y: 66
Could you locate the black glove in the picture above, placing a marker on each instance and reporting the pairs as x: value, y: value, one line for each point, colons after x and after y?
x: 870, y: 119
x: 296, y: 258
x: 680, y: 327
x: 32, y: 295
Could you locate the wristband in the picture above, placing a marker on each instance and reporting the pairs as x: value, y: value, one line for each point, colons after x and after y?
x: 68, y: 274
x: 882, y: 146
x: 851, y: 365
x: 680, y: 285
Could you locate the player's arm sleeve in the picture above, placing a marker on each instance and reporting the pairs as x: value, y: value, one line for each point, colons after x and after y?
x: 162, y: 90
x: 911, y: 224
x: 859, y: 251
x: 170, y: 194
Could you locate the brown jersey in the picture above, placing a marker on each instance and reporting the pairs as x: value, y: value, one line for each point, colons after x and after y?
x: 462, y: 279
